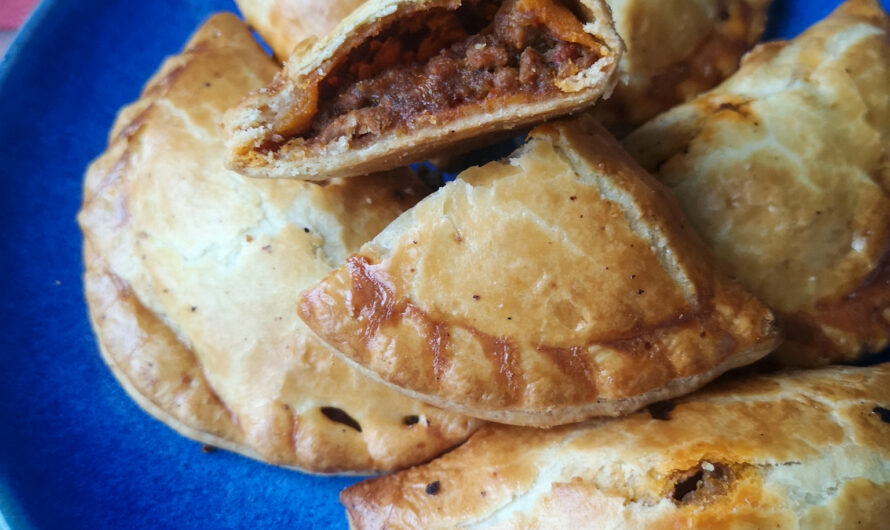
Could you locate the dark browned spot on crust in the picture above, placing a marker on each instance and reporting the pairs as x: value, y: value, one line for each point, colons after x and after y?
x: 883, y: 413
x: 686, y: 486
x: 701, y: 484
x: 207, y: 448
x: 734, y: 107
x: 433, y: 488
x: 661, y: 411
x: 411, y: 420
x: 372, y: 297
x: 340, y: 416
x: 504, y: 357
x: 574, y: 364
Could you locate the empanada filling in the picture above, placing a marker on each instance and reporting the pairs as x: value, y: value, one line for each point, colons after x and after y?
x: 429, y: 67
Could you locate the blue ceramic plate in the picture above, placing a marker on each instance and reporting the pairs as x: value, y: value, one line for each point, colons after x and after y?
x: 75, y: 451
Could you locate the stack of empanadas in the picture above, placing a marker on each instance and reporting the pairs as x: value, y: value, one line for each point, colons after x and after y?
x: 193, y: 273
x: 265, y: 274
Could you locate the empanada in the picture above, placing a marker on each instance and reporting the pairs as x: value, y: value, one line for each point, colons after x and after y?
x: 560, y: 284
x: 192, y: 272
x: 793, y: 450
x: 400, y: 80
x: 675, y: 50
x: 283, y: 24
x: 785, y: 172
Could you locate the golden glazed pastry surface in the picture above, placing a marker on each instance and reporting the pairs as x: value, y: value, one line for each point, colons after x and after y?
x: 783, y: 169
x: 192, y: 271
x: 675, y: 50
x: 398, y: 81
x: 792, y: 450
x: 283, y: 24
x: 556, y: 285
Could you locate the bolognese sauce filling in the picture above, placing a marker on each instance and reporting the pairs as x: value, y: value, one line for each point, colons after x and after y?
x: 424, y: 68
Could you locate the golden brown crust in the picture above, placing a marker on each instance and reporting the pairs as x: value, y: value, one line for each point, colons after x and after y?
x: 159, y: 372
x: 284, y: 24
x: 783, y: 170
x: 558, y: 285
x: 676, y: 49
x: 792, y: 450
x: 192, y: 270
x: 264, y: 131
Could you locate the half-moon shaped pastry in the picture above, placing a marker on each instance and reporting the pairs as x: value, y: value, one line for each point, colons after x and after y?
x: 192, y: 271
x: 400, y: 80
x: 285, y: 23
x: 675, y: 50
x: 793, y: 450
x: 560, y: 284
x: 783, y: 170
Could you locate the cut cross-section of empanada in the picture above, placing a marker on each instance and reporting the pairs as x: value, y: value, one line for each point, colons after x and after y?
x: 560, y: 284
x: 785, y: 172
x: 400, y: 80
x: 793, y: 450
x: 192, y: 271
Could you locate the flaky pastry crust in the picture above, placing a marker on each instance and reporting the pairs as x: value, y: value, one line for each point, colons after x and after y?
x: 783, y: 170
x: 560, y: 284
x: 793, y: 450
x: 192, y: 270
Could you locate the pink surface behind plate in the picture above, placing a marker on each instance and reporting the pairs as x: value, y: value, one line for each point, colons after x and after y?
x: 14, y: 12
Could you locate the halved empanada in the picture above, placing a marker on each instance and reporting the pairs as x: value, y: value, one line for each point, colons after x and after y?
x: 785, y: 171
x: 400, y: 80
x: 560, y: 284
x: 794, y: 450
x: 192, y: 271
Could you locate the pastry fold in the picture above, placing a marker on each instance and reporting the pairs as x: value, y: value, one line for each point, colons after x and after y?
x: 783, y: 170
x: 400, y: 80
x: 192, y: 271
x: 560, y: 284
x: 793, y: 450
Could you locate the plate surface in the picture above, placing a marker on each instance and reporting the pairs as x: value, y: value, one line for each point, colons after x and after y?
x: 75, y: 451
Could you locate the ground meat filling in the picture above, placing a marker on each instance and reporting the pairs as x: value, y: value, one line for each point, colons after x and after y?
x: 425, y: 68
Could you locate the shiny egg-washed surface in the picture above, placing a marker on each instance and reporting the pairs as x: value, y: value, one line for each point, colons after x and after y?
x: 219, y: 259
x: 783, y: 169
x: 590, y: 295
